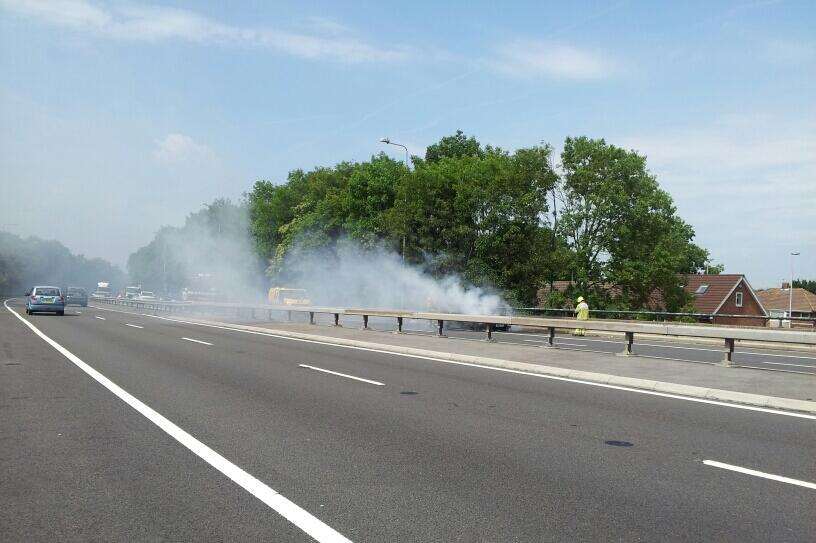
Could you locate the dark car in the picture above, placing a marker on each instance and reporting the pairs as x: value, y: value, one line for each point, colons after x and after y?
x: 76, y: 296
x: 45, y: 300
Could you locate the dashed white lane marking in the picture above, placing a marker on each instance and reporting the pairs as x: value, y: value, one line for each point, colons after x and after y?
x: 196, y: 341
x: 755, y: 473
x: 292, y: 512
x: 100, y: 318
x: 342, y: 375
x: 133, y: 325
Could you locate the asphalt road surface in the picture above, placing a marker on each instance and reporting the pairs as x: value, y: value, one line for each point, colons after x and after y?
x: 127, y: 427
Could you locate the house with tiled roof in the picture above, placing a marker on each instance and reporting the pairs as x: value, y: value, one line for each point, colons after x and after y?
x: 727, y: 297
x: 725, y: 294
x: 780, y: 301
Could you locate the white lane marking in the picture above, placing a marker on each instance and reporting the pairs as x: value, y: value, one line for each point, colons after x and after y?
x: 196, y: 341
x: 776, y: 355
x: 133, y: 325
x: 506, y: 370
x: 785, y: 364
x: 100, y: 318
x: 762, y: 474
x: 342, y: 375
x: 289, y: 510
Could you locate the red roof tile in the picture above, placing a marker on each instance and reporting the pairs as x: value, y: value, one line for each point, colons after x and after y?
x: 779, y: 298
x: 719, y: 286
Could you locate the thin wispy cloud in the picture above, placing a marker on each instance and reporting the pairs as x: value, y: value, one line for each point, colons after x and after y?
x: 533, y: 58
x: 178, y: 148
x: 322, y: 39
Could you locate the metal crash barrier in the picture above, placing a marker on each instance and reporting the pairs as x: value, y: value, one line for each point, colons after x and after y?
x: 728, y: 334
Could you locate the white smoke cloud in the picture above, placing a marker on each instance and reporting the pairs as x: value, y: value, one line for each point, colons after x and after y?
x: 354, y: 277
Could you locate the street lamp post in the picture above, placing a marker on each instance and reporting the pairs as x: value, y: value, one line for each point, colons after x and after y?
x: 790, y: 287
x: 407, y: 157
x: 387, y: 141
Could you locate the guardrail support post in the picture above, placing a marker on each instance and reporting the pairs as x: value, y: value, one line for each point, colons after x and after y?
x: 289, y: 315
x: 337, y: 319
x: 311, y: 317
x: 365, y: 322
x: 728, y: 355
x: 627, y: 346
x: 489, y: 330
x: 551, y: 337
x: 440, y: 324
x: 399, y: 325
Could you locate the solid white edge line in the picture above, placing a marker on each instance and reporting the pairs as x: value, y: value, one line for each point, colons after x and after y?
x: 762, y: 474
x: 505, y: 370
x: 100, y: 318
x: 133, y: 325
x: 279, y: 503
x: 197, y: 341
x: 342, y: 374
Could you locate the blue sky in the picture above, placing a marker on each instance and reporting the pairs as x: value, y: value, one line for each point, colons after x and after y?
x: 134, y: 114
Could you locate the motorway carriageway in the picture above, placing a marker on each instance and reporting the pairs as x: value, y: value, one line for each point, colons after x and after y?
x: 121, y: 426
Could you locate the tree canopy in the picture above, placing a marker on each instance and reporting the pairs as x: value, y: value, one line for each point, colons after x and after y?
x: 210, y: 251
x: 807, y: 284
x: 621, y: 228
x: 486, y: 214
x: 25, y: 262
x: 510, y: 221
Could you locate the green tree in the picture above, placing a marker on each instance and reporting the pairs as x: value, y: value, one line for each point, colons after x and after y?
x: 214, y: 243
x: 10, y: 274
x: 483, y: 212
x: 36, y: 261
x: 807, y: 284
x: 481, y: 215
x: 455, y: 146
x: 622, y: 229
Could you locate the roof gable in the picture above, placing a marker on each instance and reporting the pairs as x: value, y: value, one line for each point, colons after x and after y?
x: 719, y: 288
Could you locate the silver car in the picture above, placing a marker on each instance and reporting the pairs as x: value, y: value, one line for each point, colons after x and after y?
x: 42, y: 299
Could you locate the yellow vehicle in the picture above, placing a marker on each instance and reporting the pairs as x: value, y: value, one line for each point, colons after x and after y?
x: 288, y: 296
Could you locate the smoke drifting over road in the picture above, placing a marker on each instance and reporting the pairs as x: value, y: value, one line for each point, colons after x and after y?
x: 211, y: 258
x: 351, y: 276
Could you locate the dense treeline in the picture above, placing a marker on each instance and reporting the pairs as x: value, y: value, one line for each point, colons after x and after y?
x: 807, y: 284
x: 512, y: 221
x: 212, y: 251
x: 25, y: 262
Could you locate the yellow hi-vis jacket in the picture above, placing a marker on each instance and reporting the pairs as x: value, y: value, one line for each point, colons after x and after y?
x: 582, y: 311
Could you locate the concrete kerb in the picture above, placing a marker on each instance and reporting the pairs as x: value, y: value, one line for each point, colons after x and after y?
x: 729, y: 396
